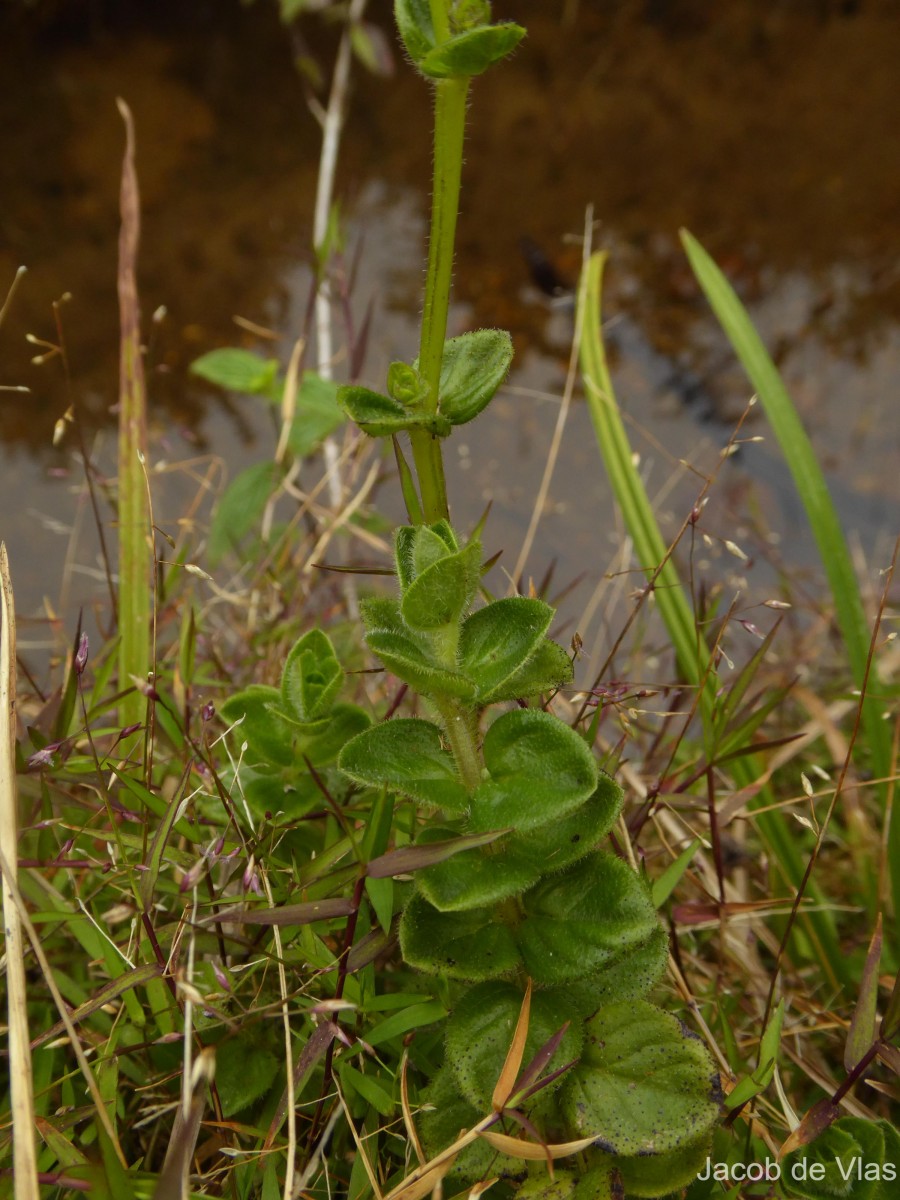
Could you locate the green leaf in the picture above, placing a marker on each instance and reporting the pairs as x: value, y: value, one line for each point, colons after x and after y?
x: 564, y: 841
x: 401, y: 655
x: 584, y: 921
x: 663, y: 887
x: 405, y: 384
x: 325, y: 740
x: 645, y: 1084
x: 241, y: 507
x: 853, y: 1159
x: 481, y: 1028
x: 244, y: 1073
x: 413, y: 19
x: 498, y: 640
x: 472, y: 52
x: 628, y: 977
x: 431, y: 543
x: 236, y: 370
x: 540, y: 770
x: 470, y: 945
x: 445, y: 1114
x: 442, y: 592
x: 760, y: 1079
x: 547, y: 669
x: 473, y: 367
x: 650, y: 1174
x: 382, y: 416
x: 516, y: 863
x: 270, y: 738
x: 406, y: 755
x: 381, y: 897
x: 400, y: 1023
x: 312, y: 676
x: 371, y: 1090
x: 475, y: 878
x: 317, y: 414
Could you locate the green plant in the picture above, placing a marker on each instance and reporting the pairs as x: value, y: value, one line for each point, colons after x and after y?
x: 528, y: 924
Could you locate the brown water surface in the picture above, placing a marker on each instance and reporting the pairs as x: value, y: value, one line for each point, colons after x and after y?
x: 771, y: 131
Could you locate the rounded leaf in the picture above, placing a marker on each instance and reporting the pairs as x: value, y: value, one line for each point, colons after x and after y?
x: 499, y: 639
x: 481, y: 1029
x: 312, y: 676
x: 413, y: 19
x: 382, y: 416
x: 475, y: 878
x: 645, y: 1083
x: 560, y: 843
x: 540, y: 770
x: 473, y: 367
x: 472, y: 52
x: 441, y: 593
x: 470, y: 945
x: 585, y: 920
x: 270, y: 737
x: 406, y: 755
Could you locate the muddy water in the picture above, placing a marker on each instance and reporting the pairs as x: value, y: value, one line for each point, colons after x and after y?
x: 774, y: 136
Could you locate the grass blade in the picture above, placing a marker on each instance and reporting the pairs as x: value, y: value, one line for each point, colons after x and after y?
x: 823, y: 519
x: 690, y: 647
x: 134, y: 514
x: 22, y: 1098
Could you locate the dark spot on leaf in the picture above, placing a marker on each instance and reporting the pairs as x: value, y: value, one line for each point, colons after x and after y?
x: 716, y: 1095
x: 603, y: 1144
x: 576, y: 838
x: 689, y: 1033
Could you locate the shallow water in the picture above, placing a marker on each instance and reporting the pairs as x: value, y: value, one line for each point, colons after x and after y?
x: 774, y: 136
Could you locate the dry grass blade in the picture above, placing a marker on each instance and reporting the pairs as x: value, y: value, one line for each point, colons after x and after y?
x: 535, y: 1151
x: 510, y: 1072
x: 24, y: 1158
x: 408, y: 1123
x: 134, y: 516
x: 173, y: 1179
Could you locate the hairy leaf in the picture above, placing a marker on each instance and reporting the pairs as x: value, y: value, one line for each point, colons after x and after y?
x: 312, y: 676
x: 407, y: 755
x: 584, y: 921
x: 480, y: 1030
x: 270, y: 738
x: 442, y: 592
x: 473, y: 366
x: 472, y: 52
x: 404, y: 657
x: 540, y: 770
x: 470, y: 945
x: 413, y: 19
x: 381, y: 416
x: 645, y: 1084
x: 499, y: 639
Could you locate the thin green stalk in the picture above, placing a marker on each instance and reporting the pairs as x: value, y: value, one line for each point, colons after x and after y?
x: 449, y: 132
x: 690, y: 647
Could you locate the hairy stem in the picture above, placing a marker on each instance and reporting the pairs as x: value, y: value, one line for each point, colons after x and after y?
x: 461, y: 727
x: 449, y: 131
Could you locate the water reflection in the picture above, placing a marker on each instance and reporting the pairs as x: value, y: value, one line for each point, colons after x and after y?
x: 774, y: 135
